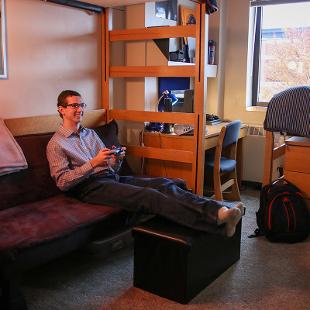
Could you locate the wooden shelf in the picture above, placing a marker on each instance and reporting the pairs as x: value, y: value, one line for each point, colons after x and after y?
x: 152, y: 71
x: 149, y: 116
x: 211, y: 70
x: 179, y: 63
x: 152, y: 33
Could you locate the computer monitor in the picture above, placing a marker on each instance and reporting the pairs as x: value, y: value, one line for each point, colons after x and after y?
x: 179, y: 86
x: 185, y: 101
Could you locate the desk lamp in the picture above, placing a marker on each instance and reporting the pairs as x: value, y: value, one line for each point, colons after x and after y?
x: 164, y: 104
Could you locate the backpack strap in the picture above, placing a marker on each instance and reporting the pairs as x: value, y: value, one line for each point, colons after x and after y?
x: 257, y: 233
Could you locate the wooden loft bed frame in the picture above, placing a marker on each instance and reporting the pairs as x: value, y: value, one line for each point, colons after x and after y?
x: 94, y: 6
x: 271, y: 153
x: 194, y: 155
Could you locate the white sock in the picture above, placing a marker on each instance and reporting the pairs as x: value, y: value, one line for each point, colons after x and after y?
x: 230, y: 217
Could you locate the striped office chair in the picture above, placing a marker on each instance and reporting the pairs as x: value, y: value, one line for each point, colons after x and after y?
x: 223, y: 163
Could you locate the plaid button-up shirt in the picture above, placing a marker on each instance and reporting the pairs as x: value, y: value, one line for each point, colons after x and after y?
x: 69, y: 154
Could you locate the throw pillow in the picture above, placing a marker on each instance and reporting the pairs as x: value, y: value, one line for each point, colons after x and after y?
x: 108, y: 134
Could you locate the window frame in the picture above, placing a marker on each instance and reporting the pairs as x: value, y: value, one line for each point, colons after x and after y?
x: 256, y: 57
x: 258, y: 5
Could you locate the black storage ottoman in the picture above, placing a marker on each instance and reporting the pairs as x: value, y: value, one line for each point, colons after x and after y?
x: 176, y: 262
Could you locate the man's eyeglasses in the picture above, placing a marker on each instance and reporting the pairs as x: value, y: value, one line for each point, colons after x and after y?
x: 76, y: 105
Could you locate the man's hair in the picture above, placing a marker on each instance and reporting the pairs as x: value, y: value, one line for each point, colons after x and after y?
x: 62, y: 98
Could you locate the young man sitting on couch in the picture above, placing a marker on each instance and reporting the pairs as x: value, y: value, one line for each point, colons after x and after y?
x: 81, y: 164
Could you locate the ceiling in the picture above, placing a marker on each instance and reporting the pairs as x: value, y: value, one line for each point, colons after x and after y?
x: 109, y: 3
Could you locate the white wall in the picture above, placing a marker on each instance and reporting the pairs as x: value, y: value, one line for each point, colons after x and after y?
x: 117, y: 58
x: 50, y: 48
x: 236, y: 64
x: 214, y: 103
x: 234, y: 32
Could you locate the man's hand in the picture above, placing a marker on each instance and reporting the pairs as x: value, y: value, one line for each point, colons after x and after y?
x: 122, y: 154
x: 104, y: 158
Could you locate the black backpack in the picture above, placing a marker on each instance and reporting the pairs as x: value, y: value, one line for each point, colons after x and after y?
x: 283, y: 215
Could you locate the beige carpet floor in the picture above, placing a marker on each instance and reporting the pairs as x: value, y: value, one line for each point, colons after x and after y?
x: 268, y: 276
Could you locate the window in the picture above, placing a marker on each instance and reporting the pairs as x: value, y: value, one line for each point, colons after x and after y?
x: 280, y: 53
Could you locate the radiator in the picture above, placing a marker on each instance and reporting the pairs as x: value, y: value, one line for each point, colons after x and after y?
x: 253, y: 155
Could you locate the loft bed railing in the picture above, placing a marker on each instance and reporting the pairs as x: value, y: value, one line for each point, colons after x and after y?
x: 93, y: 6
x: 288, y: 113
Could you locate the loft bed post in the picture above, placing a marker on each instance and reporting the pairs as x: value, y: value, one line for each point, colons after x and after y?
x: 268, y: 158
x: 200, y: 95
x: 271, y: 153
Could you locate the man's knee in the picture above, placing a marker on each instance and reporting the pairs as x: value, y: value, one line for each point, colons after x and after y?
x: 166, y: 184
x: 180, y: 183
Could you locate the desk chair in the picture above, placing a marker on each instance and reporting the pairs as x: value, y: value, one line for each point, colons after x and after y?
x: 223, y: 162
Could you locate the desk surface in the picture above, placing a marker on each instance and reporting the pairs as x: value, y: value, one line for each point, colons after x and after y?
x: 298, y: 141
x: 212, y: 133
x: 211, y: 130
x: 214, y: 130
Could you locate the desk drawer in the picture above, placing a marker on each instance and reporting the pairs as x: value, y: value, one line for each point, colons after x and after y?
x: 297, y: 158
x: 301, y: 180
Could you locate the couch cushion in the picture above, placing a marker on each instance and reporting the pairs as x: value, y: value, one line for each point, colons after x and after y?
x: 34, y: 183
x: 29, y: 224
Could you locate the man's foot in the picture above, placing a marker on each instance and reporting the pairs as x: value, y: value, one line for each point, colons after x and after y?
x: 241, y: 207
x: 230, y: 217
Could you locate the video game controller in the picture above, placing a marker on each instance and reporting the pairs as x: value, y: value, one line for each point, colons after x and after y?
x: 118, y: 151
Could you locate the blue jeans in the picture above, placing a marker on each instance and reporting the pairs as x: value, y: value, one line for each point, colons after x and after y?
x: 160, y: 196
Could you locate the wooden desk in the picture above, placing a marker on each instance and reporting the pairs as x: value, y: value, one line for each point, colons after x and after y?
x: 154, y: 167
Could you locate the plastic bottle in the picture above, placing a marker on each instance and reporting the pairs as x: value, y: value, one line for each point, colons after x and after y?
x: 211, y: 52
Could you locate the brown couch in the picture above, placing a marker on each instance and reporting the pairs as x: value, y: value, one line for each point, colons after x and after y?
x: 39, y: 223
